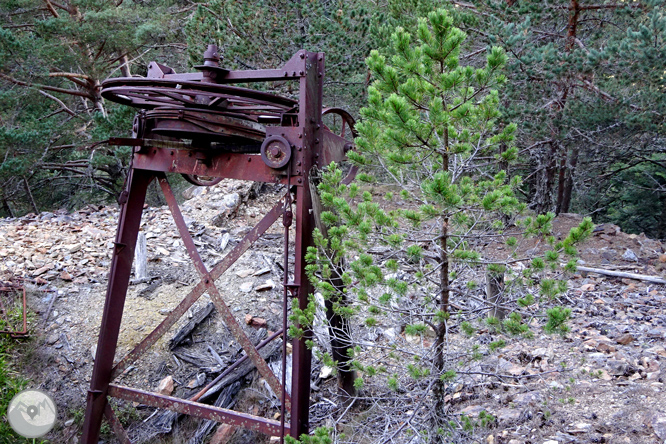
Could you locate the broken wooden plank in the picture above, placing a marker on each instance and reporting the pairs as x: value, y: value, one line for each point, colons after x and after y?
x: 197, y: 319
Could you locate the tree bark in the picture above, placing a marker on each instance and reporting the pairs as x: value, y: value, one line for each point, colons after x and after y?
x: 569, y: 180
x: 6, y: 207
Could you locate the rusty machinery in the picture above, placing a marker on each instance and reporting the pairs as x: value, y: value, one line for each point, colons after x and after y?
x: 199, y: 125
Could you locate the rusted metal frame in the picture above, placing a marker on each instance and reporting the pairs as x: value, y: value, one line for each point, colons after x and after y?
x: 206, y: 163
x: 218, y: 270
x: 15, y: 333
x: 292, y: 70
x: 115, y: 424
x: 310, y: 125
x: 119, y: 275
x: 228, y: 317
x: 218, y: 414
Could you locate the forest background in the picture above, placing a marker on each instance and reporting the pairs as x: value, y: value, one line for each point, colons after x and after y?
x: 585, y: 86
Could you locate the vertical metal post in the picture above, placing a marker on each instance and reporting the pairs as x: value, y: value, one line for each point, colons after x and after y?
x: 310, y: 109
x: 121, y: 267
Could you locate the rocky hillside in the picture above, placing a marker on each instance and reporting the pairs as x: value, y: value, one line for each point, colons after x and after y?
x: 603, y: 382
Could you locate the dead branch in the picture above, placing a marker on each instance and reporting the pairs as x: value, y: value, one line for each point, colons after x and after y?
x: 46, y: 87
x: 59, y: 102
x: 640, y: 277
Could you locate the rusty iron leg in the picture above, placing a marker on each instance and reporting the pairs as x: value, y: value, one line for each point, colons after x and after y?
x: 121, y: 267
x: 302, y: 355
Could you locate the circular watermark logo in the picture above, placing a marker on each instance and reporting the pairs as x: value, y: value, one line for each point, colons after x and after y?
x: 32, y: 413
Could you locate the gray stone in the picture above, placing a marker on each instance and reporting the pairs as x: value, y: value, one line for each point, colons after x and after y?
x: 658, y: 424
x: 246, y: 287
x: 508, y: 415
x: 630, y: 256
x: 52, y: 339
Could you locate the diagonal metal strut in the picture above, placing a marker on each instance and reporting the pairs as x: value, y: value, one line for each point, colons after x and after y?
x: 228, y: 317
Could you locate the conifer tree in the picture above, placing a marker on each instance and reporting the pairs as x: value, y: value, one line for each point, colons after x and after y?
x: 427, y: 123
x: 53, y: 58
x: 430, y: 138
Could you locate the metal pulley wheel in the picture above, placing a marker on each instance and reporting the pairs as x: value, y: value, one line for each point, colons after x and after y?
x: 276, y: 151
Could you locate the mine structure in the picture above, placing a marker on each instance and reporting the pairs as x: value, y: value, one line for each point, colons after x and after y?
x: 201, y: 126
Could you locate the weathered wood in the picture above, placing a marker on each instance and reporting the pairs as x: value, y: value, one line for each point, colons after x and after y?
x: 226, y: 400
x: 163, y: 422
x: 140, y: 258
x: 640, y: 277
x: 495, y: 294
x: 197, y: 319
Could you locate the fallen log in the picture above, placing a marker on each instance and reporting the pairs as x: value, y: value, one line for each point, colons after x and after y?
x: 640, y: 277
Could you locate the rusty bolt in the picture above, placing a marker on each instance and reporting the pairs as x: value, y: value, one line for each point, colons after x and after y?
x: 275, y: 152
x: 300, y: 72
x: 302, y: 55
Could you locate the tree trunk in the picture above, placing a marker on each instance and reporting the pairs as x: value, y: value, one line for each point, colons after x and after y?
x: 29, y: 193
x: 338, y: 326
x: 440, y: 333
x: 561, y: 179
x: 569, y: 179
x: 495, y: 294
x: 6, y: 207
x: 543, y: 182
x: 439, y: 389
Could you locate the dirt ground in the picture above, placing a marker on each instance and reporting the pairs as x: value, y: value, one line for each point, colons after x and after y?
x: 603, y: 382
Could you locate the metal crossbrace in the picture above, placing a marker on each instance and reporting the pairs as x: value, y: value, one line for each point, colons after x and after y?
x: 199, y: 289
x: 228, y: 317
x: 206, y: 284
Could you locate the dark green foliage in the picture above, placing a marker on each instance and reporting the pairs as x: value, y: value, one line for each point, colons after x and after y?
x: 557, y: 318
x: 52, y: 62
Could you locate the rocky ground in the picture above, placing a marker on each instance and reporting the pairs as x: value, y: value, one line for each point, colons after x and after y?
x: 603, y: 382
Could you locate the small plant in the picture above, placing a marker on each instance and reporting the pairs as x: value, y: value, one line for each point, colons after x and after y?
x: 496, y: 345
x: 514, y: 324
x: 467, y: 328
x: 322, y: 435
x: 557, y: 318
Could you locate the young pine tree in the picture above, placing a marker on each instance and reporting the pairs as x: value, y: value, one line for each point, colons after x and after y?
x: 429, y: 136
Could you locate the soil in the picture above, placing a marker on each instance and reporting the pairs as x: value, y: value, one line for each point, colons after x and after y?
x: 602, y: 382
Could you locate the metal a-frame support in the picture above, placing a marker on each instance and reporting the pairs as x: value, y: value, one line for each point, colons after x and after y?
x: 311, y: 145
